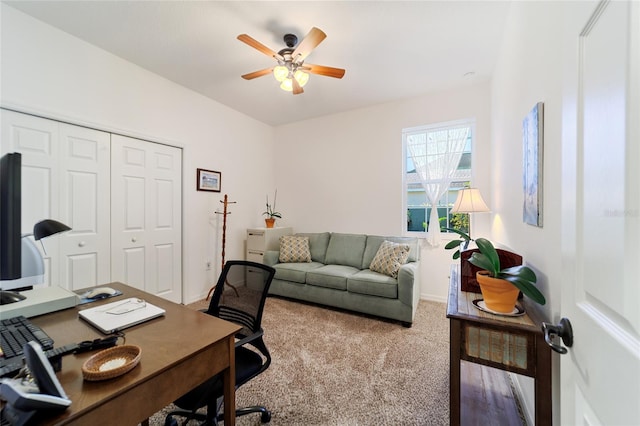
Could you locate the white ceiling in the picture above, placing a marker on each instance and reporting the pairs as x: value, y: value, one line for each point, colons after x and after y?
x: 390, y: 49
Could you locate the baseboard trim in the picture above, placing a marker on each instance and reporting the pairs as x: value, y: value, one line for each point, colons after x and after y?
x: 527, y: 412
x: 433, y: 298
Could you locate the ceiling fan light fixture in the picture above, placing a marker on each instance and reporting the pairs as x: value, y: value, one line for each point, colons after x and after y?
x: 287, y: 85
x: 280, y: 72
x: 302, y: 77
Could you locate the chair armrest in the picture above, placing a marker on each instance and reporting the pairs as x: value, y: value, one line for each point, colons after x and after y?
x: 409, y: 283
x: 256, y: 341
x: 271, y: 257
x: 250, y: 338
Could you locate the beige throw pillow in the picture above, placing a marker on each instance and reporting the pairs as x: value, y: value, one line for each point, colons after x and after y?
x: 389, y: 258
x: 294, y: 249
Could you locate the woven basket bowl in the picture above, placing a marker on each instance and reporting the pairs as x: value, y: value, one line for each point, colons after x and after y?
x: 112, y: 362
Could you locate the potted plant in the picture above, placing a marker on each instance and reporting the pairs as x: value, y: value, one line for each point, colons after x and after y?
x: 271, y: 213
x: 500, y: 287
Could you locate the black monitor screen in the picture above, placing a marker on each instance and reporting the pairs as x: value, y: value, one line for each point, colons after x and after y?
x: 10, y: 216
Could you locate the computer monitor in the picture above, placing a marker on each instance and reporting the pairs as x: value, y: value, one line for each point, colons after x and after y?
x: 21, y: 264
x: 10, y: 218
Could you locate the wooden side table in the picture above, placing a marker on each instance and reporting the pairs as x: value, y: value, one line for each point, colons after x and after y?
x: 514, y: 344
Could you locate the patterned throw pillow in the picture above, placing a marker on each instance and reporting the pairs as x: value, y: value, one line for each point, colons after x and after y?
x: 389, y: 258
x: 294, y: 249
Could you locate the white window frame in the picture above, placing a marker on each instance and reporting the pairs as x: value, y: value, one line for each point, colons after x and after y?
x: 471, y: 122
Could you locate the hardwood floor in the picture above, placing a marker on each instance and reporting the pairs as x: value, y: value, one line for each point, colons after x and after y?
x: 486, y: 397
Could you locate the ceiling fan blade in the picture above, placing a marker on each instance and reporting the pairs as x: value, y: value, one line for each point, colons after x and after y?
x: 322, y: 70
x: 259, y: 46
x: 309, y: 43
x: 257, y: 74
x: 297, y: 89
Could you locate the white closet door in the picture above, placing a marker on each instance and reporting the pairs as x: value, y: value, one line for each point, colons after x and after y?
x: 37, y: 140
x: 146, y: 222
x: 84, y: 206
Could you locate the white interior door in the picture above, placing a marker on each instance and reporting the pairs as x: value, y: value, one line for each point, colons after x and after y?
x: 146, y: 202
x: 600, y: 375
x: 37, y: 140
x: 84, y: 205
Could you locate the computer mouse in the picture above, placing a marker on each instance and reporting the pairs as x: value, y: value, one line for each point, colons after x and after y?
x: 7, y: 297
x: 99, y: 293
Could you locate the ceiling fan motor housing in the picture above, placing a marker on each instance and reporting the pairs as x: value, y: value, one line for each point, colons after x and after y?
x: 290, y: 40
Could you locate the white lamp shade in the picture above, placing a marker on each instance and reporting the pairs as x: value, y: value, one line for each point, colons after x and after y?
x: 469, y: 201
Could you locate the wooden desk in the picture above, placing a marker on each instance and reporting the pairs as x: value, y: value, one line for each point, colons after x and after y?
x: 179, y: 351
x: 514, y: 344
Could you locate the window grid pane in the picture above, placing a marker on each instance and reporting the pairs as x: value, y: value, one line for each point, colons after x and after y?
x: 418, y: 208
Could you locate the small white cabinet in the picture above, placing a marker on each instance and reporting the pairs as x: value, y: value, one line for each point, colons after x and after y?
x: 260, y: 240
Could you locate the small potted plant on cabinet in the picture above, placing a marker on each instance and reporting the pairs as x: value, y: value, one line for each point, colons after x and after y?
x: 500, y: 287
x: 271, y: 214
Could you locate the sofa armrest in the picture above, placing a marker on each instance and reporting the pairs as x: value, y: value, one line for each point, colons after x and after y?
x: 409, y: 283
x: 271, y: 257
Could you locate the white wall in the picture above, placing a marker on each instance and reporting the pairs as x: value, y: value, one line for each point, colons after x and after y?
x: 50, y: 73
x: 343, y: 172
x: 529, y: 70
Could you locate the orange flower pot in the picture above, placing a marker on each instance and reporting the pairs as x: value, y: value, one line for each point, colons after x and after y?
x: 270, y: 222
x: 499, y: 295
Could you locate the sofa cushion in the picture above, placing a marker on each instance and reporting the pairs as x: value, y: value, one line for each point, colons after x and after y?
x: 318, y: 243
x: 296, y: 272
x: 331, y: 276
x: 373, y: 244
x: 294, y: 249
x: 373, y: 284
x: 389, y: 258
x: 346, y: 249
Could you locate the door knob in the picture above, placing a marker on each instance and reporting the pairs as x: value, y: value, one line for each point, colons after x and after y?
x: 134, y: 239
x: 81, y: 244
x: 562, y: 330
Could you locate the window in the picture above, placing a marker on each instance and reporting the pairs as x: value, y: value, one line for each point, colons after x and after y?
x: 437, y: 163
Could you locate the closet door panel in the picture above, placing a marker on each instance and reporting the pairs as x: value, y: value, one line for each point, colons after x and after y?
x: 146, y: 215
x: 84, y: 206
x: 37, y: 140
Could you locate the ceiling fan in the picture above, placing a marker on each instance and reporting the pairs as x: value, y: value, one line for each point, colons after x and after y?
x: 292, y: 72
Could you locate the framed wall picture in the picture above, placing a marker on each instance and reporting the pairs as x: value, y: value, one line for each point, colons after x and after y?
x: 208, y: 180
x: 532, y: 141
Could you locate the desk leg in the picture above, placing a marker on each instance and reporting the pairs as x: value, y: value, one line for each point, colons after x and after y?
x: 454, y: 375
x: 543, y: 397
x: 229, y: 377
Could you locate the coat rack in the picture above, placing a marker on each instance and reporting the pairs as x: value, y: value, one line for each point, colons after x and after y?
x: 224, y: 214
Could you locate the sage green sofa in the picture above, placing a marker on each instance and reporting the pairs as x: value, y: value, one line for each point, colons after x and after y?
x: 339, y: 276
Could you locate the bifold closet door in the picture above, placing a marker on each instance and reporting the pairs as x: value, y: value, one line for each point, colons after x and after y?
x: 146, y: 222
x: 37, y: 140
x: 65, y: 176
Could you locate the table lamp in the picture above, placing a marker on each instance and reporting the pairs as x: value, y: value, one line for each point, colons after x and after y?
x: 469, y: 201
x: 32, y: 270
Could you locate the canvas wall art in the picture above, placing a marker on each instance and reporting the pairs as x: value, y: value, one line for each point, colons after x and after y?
x: 532, y: 138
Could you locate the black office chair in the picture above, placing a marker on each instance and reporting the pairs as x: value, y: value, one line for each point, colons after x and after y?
x: 239, y: 297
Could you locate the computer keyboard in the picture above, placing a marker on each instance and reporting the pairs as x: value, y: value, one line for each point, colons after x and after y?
x: 14, y: 333
x: 17, y: 331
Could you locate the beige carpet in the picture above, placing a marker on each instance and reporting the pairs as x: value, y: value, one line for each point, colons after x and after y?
x: 338, y: 368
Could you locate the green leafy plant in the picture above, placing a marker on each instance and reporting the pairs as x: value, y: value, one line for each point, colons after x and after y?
x: 455, y: 244
x: 271, y: 213
x: 520, y: 276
